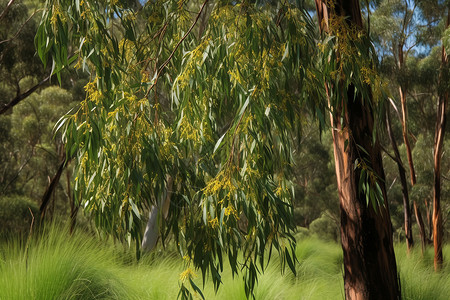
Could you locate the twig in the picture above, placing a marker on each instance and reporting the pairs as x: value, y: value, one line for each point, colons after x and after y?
x: 161, y: 68
x: 6, y: 9
x: 21, y: 27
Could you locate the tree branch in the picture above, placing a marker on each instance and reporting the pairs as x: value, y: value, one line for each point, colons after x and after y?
x: 162, y: 67
x: 21, y: 97
x: 6, y: 9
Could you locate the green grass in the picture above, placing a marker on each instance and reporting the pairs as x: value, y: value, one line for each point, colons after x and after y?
x: 57, y: 266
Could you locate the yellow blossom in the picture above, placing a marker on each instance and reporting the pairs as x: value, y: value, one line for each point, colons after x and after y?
x: 214, y: 223
x: 187, y: 274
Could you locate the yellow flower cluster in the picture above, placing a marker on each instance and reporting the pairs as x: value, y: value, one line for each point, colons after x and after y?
x: 56, y: 13
x: 93, y: 94
x: 187, y: 274
x: 222, y: 181
x: 214, y: 223
x: 230, y: 210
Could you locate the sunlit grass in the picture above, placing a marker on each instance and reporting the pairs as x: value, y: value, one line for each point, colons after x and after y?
x: 59, y: 266
x: 419, y: 281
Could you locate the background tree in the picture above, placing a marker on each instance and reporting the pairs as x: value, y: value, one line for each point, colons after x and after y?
x: 29, y: 152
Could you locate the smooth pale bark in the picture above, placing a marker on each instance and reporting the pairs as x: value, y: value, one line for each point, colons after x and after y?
x: 401, y: 171
x: 157, y: 211
x: 438, y: 148
x: 370, y: 270
x: 404, y: 119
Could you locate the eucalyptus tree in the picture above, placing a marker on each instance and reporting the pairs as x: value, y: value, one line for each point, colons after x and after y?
x: 195, y: 113
x: 353, y: 91
x: 395, y: 25
x: 442, y: 112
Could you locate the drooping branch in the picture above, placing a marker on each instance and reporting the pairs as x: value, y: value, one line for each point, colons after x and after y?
x: 22, y: 96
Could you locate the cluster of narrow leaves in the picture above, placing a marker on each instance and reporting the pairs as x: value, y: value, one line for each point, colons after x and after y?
x: 213, y: 106
x: 205, y: 95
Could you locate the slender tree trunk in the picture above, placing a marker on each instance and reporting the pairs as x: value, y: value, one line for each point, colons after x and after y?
x: 402, y: 91
x: 370, y: 270
x: 421, y: 225
x: 73, y: 205
x: 51, y: 187
x: 401, y: 171
x: 429, y: 211
x: 438, y: 148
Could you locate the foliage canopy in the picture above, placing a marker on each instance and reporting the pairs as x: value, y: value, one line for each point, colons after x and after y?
x: 212, y: 100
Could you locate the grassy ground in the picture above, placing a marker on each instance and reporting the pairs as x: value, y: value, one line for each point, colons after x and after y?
x: 80, y: 267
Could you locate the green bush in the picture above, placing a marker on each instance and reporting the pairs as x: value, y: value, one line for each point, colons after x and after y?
x: 325, y: 228
x: 15, y: 215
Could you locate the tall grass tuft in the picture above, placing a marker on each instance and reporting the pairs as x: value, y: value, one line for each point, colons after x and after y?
x: 57, y: 266
x: 418, y: 278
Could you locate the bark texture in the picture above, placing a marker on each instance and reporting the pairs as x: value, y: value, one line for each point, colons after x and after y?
x: 370, y: 270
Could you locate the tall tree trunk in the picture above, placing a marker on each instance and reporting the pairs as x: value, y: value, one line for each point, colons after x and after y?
x: 438, y: 148
x: 370, y: 270
x: 421, y: 225
x: 402, y: 92
x: 401, y: 171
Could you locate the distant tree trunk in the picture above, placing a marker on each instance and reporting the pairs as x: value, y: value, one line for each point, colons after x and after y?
x: 438, y: 148
x: 401, y: 171
x: 419, y: 220
x: 370, y: 270
x: 402, y: 91
x: 51, y: 187
x: 73, y: 206
x: 429, y: 211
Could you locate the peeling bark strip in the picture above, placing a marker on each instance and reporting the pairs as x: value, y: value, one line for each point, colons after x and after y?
x: 438, y: 148
x: 401, y: 171
x: 370, y: 270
